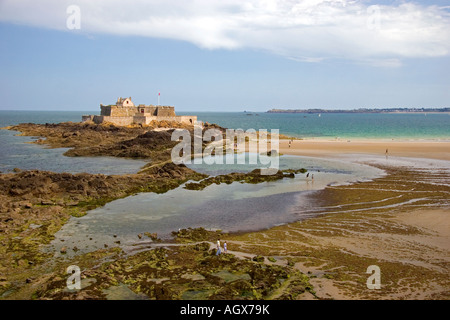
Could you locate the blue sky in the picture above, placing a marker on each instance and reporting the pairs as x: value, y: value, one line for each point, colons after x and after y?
x: 204, y: 56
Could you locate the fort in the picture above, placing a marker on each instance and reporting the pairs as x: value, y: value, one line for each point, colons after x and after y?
x: 125, y: 113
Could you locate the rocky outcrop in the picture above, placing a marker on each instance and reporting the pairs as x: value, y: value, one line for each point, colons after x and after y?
x: 34, y: 205
x: 254, y: 177
x: 88, y: 139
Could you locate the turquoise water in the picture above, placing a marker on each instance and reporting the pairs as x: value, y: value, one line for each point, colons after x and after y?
x: 329, y: 125
x: 14, y: 152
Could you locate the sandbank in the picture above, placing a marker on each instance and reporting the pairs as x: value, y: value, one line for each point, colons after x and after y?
x: 328, y: 148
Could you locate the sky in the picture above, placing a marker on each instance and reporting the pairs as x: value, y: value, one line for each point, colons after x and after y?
x: 224, y: 55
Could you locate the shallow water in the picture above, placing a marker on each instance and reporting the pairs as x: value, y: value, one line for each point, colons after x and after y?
x: 233, y: 207
x: 18, y: 152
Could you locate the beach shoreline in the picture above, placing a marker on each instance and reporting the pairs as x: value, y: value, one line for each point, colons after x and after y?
x: 330, y: 148
x: 427, y: 246
x: 399, y: 222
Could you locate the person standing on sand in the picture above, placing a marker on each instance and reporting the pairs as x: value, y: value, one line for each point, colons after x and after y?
x: 218, y: 247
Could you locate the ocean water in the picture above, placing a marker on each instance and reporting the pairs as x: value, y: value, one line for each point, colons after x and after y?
x: 339, y: 125
x: 18, y: 152
x: 328, y: 125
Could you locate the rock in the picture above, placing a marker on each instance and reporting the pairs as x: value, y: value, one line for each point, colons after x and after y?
x: 46, y: 203
x: 140, y: 236
x: 28, y: 280
x: 258, y: 259
x: 75, y: 249
x: 290, y: 263
x: 152, y: 236
x: 17, y: 170
x: 204, y: 246
x: 28, y: 205
x: 63, y: 250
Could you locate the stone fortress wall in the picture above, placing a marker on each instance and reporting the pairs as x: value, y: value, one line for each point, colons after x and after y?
x: 124, y: 113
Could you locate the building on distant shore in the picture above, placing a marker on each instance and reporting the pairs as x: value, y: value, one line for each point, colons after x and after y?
x: 125, y: 112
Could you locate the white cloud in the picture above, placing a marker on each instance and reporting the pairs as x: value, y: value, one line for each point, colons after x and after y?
x: 308, y: 30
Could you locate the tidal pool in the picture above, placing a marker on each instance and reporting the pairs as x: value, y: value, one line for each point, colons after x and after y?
x: 233, y: 207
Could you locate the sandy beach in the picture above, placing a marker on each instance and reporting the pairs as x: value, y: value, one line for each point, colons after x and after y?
x: 400, y: 222
x: 321, y: 147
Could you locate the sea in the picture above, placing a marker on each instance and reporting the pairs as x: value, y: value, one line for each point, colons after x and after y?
x: 18, y: 152
x: 409, y: 126
x: 233, y: 207
x: 398, y: 126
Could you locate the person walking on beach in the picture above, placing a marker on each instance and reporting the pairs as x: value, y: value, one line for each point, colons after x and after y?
x: 225, y: 247
x: 218, y: 247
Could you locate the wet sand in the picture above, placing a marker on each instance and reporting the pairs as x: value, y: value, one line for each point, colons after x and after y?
x: 400, y: 222
x: 326, y: 148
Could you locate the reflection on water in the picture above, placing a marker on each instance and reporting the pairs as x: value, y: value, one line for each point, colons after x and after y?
x: 233, y: 207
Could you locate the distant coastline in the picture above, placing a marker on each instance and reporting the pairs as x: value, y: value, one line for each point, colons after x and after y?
x: 364, y: 110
